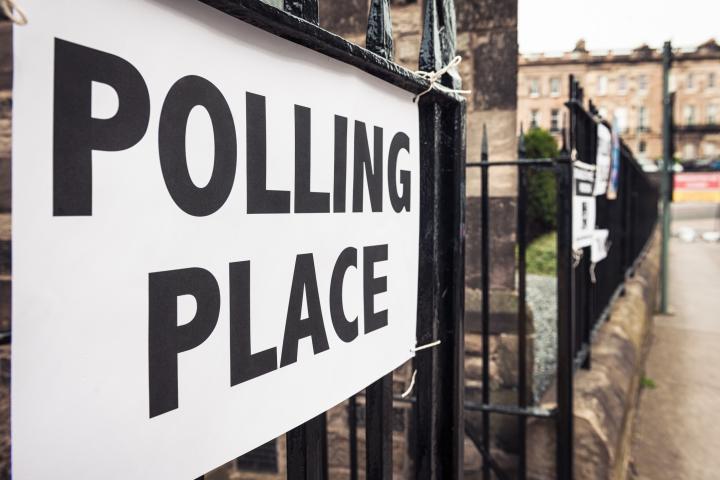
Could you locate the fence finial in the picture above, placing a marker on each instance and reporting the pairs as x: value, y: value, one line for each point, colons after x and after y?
x: 484, y: 145
x: 448, y: 43
x: 305, y: 9
x: 521, y: 142
x: 592, y: 108
x: 430, y: 59
x: 379, y: 37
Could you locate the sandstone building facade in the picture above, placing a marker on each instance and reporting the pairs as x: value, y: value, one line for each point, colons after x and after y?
x: 627, y: 87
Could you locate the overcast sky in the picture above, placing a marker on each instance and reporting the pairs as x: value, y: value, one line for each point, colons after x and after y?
x: 555, y: 25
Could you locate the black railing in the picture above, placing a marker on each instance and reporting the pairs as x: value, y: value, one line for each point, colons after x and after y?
x: 437, y: 426
x: 630, y: 219
x: 585, y: 291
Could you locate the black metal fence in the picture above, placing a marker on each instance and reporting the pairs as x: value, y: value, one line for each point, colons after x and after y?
x: 585, y: 291
x: 630, y: 219
x: 437, y: 421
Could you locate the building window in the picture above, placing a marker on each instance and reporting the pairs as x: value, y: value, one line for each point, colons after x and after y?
x: 622, y: 84
x: 534, y: 87
x: 643, y: 119
x: 534, y: 118
x: 621, y: 119
x: 642, y: 83
x: 555, y: 87
x: 689, y: 115
x: 642, y: 147
x: 554, y: 120
x: 712, y: 112
x: 689, y: 152
x: 690, y: 81
x: 709, y: 149
x: 711, y: 80
x: 602, y: 85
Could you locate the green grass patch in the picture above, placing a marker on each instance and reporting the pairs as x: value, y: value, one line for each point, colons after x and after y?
x: 647, y: 382
x: 542, y: 255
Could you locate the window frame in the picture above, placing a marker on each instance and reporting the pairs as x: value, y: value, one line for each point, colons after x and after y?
x: 622, y: 85
x: 555, y: 81
x: 533, y: 82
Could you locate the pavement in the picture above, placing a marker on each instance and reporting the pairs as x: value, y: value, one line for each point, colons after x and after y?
x: 677, y: 430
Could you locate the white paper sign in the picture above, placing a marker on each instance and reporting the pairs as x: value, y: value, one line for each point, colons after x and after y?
x: 599, y: 246
x: 215, y: 237
x: 603, y: 159
x: 583, y: 205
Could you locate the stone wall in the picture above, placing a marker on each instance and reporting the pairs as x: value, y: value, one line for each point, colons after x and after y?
x: 606, y: 396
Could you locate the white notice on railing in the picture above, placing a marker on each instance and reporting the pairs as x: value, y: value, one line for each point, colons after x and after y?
x: 215, y: 237
x: 583, y: 204
x: 603, y: 159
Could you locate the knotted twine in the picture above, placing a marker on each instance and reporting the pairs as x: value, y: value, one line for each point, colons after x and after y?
x: 13, y: 12
x: 434, y: 77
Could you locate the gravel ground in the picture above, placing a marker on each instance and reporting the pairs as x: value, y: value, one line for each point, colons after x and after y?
x: 542, y: 299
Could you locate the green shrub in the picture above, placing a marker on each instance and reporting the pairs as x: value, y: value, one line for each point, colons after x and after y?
x: 542, y: 205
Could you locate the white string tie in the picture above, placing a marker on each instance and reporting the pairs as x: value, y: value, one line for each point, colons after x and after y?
x: 13, y: 12
x: 608, y: 245
x: 584, y: 166
x: 434, y: 77
x: 410, y: 387
x: 577, y: 256
x: 427, y: 345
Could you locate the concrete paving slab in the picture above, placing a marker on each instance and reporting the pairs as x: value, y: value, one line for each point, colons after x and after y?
x: 677, y: 432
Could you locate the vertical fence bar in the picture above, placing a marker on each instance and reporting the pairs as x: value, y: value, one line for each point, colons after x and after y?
x: 378, y: 429
x: 379, y: 38
x: 352, y: 434
x: 591, y: 290
x: 378, y: 406
x: 451, y: 333
x: 425, y: 409
x: 307, y: 450
x: 485, y: 286
x: 451, y: 354
x: 307, y: 443
x: 565, y: 300
x: 625, y: 189
x: 522, y: 304
x: 667, y: 168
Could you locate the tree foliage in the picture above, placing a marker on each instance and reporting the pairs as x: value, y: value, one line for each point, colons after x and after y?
x: 542, y: 204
